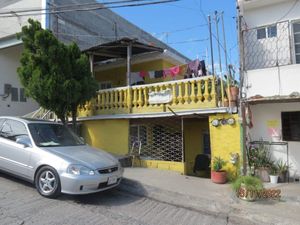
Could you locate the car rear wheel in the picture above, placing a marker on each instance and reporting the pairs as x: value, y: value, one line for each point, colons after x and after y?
x: 47, y: 182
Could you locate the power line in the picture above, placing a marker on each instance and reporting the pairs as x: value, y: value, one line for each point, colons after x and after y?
x: 189, y: 41
x: 45, y: 11
x: 180, y: 30
x: 56, y: 7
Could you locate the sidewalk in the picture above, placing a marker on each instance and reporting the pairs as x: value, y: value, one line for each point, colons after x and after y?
x: 200, y: 194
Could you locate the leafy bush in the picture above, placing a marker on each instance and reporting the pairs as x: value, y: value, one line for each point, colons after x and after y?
x: 259, y: 156
x: 249, y: 182
x: 218, y: 164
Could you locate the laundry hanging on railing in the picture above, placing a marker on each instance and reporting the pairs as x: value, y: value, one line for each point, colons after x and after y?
x: 193, y: 69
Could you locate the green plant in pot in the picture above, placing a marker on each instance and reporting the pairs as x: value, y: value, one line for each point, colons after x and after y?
x: 247, y: 187
x: 282, y: 170
x: 259, y: 158
x: 218, y: 175
x: 274, y: 174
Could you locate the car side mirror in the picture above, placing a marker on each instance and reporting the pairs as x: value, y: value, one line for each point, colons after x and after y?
x: 24, y: 141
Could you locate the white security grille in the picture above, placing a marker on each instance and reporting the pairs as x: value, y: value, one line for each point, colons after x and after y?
x: 160, y: 138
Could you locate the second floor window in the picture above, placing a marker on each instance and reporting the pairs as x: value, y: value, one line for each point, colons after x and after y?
x: 296, y: 30
x: 267, y: 32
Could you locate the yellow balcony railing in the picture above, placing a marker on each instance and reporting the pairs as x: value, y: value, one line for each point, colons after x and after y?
x: 176, y: 95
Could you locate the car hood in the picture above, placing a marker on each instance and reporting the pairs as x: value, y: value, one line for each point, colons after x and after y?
x: 84, y: 155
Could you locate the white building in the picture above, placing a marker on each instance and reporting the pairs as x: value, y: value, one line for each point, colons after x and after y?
x: 87, y: 28
x: 270, y: 61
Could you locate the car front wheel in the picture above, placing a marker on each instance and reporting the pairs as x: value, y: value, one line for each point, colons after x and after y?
x: 47, y: 182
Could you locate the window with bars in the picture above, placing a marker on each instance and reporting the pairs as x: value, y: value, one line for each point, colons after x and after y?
x: 296, y: 30
x: 267, y: 32
x: 290, y: 126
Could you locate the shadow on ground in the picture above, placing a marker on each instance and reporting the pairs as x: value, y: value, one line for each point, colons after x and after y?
x: 114, y: 196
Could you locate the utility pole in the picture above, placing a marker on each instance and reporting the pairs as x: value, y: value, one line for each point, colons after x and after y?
x: 211, y: 46
x: 220, y: 60
x: 218, y: 40
x: 224, y: 40
x: 242, y: 111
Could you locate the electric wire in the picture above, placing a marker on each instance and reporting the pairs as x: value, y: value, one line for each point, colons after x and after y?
x: 56, y: 7
x: 90, y: 9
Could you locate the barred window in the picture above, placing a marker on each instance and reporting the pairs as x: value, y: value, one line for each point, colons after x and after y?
x: 291, y: 126
x: 267, y: 32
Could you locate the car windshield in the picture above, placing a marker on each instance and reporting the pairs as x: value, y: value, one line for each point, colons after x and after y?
x: 52, y: 135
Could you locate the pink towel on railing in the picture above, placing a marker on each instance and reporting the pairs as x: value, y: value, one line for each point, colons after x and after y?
x: 143, y: 74
x: 173, y: 71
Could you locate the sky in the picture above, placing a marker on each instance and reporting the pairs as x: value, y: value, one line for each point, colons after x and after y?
x: 183, y: 26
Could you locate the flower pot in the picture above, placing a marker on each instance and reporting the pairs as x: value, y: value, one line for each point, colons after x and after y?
x: 273, y: 179
x: 282, y: 177
x: 247, y: 194
x: 263, y: 174
x: 219, y: 177
x: 234, y: 92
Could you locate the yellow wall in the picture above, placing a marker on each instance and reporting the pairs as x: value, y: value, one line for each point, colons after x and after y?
x: 193, y: 141
x: 225, y: 139
x: 162, y: 165
x: 109, y: 135
x: 118, y: 75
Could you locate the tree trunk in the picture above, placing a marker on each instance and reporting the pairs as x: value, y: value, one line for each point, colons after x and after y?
x: 74, y: 118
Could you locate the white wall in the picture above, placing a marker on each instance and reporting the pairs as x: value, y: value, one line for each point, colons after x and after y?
x: 271, y: 13
x: 268, y: 116
x: 12, y: 25
x: 9, y: 62
x: 281, y: 80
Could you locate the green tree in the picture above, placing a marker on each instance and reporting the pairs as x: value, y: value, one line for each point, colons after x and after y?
x: 55, y: 75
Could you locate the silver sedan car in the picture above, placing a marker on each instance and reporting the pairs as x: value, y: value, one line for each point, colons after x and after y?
x: 55, y: 159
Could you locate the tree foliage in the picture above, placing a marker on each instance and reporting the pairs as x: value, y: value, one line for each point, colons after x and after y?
x: 55, y: 75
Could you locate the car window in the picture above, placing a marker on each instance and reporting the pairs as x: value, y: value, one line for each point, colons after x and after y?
x: 1, y: 122
x: 13, y: 129
x: 52, y: 135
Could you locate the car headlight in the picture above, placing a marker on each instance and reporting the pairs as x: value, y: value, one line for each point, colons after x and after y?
x: 80, y: 170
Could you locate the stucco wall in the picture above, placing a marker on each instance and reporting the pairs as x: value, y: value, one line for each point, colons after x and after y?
x: 267, y: 116
x: 9, y: 62
x: 273, y: 81
x: 11, y: 25
x: 193, y: 141
x: 271, y: 13
x: 109, y: 135
x: 117, y: 76
x: 225, y: 139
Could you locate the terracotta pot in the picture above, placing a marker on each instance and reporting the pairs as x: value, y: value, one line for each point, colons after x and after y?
x: 234, y: 92
x: 219, y: 177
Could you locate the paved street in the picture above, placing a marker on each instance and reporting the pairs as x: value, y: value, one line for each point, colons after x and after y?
x: 21, y: 204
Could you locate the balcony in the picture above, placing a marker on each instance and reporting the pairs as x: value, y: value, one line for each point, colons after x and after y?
x: 173, y: 96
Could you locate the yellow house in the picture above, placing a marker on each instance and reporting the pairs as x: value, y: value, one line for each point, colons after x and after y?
x: 167, y: 121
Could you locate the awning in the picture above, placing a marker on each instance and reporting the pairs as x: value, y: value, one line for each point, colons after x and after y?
x: 118, y: 49
x: 123, y: 48
x: 273, y: 99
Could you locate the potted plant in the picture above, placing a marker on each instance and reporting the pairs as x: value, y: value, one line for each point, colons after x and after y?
x: 259, y: 159
x: 247, y: 187
x: 282, y: 171
x: 218, y: 175
x: 274, y: 175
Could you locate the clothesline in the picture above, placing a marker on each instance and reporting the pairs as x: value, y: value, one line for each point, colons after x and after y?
x: 194, y: 68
